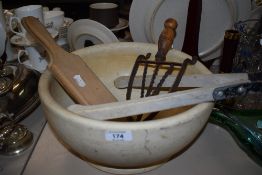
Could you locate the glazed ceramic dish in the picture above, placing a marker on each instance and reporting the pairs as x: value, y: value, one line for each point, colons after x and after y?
x: 68, y: 21
x: 123, y: 23
x: 217, y: 16
x: 28, y: 65
x: 62, y: 32
x: 142, y: 146
x: 84, y: 30
x: 21, y: 41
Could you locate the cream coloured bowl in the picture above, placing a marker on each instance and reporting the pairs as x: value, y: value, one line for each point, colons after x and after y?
x: 116, y: 146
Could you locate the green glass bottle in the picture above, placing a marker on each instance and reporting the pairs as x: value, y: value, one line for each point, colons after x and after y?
x: 244, y: 126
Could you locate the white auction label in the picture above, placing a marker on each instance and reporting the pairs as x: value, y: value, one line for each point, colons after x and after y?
x: 80, y: 82
x: 118, y: 136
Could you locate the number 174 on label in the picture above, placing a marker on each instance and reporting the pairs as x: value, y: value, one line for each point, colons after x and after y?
x: 118, y: 135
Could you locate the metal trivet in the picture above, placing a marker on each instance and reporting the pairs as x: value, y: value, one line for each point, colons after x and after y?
x: 164, y: 44
x: 143, y: 61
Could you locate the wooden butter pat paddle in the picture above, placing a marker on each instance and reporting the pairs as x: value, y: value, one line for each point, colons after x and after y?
x: 79, y: 81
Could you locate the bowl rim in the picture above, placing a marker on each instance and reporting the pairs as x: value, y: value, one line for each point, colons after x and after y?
x: 47, y: 99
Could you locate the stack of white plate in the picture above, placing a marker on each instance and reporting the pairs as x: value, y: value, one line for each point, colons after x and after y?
x: 85, y: 30
x: 147, y: 17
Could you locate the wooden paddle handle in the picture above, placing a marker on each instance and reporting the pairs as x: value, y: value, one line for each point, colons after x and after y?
x: 35, y: 28
x: 166, y: 39
x: 79, y: 81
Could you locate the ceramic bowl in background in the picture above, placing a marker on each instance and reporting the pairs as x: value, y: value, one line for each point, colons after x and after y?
x: 54, y: 19
x: 104, y: 13
x: 24, y: 11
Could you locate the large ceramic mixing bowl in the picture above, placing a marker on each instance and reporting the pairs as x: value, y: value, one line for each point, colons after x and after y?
x: 143, y: 145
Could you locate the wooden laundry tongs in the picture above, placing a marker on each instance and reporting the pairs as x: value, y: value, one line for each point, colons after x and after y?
x: 213, y: 92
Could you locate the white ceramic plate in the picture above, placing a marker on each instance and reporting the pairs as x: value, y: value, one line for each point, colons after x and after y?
x: 217, y: 16
x: 121, y: 25
x: 84, y: 30
x: 28, y: 65
x: 21, y: 41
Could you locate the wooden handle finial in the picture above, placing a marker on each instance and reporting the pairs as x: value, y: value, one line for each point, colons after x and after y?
x: 166, y: 39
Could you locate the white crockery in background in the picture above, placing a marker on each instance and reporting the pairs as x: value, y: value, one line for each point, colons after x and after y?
x: 35, y: 60
x: 54, y: 19
x: 24, y: 11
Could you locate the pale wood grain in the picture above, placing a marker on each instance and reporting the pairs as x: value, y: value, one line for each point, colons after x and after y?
x: 196, y: 80
x: 149, y: 104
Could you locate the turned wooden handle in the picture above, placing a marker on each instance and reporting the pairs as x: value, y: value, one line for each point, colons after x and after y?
x: 35, y: 28
x: 166, y: 39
